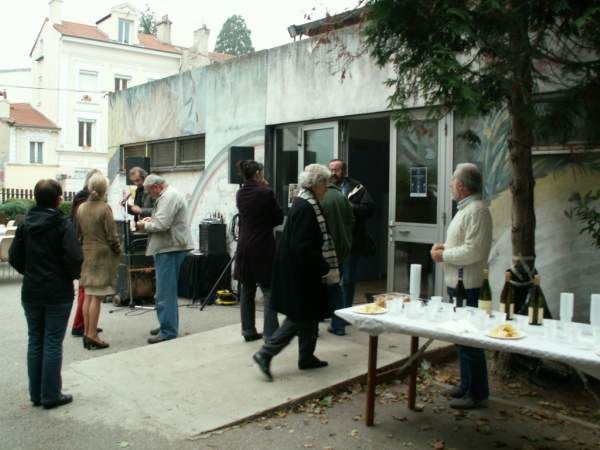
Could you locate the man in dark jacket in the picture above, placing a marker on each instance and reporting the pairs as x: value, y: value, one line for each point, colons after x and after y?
x: 46, y: 252
x: 142, y: 202
x: 363, y: 208
x: 340, y: 223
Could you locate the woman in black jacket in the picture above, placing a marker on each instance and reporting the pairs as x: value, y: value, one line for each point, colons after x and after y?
x: 46, y: 252
x: 304, y: 263
x: 258, y: 214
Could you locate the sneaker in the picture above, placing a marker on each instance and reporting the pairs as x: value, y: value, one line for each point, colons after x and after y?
x: 467, y: 402
x: 336, y: 332
x: 454, y: 392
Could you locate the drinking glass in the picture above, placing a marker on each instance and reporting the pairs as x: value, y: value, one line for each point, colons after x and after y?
x: 595, y: 310
x: 566, y: 306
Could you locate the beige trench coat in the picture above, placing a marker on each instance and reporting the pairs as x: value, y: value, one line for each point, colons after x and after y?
x: 101, y: 249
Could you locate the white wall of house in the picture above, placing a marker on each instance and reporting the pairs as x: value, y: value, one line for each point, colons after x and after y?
x: 21, y: 171
x: 77, y: 73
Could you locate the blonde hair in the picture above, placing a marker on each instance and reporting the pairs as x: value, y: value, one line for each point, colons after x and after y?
x: 97, y: 185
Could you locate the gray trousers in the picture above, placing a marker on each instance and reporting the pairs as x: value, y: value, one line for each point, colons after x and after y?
x: 248, y: 311
x: 307, y: 333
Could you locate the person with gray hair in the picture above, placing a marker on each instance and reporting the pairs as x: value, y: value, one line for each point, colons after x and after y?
x: 466, y: 252
x: 169, y: 242
x: 305, y: 263
x: 142, y: 202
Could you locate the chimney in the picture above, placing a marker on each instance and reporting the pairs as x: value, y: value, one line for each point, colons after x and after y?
x: 201, y: 41
x: 55, y: 11
x: 4, y: 106
x: 163, y: 30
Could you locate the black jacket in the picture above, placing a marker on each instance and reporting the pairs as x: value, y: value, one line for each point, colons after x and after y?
x: 144, y: 201
x: 297, y: 290
x: 46, y: 252
x: 259, y: 214
x: 363, y: 208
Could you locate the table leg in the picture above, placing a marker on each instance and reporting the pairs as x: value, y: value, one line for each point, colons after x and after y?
x: 371, y: 381
x: 412, y: 376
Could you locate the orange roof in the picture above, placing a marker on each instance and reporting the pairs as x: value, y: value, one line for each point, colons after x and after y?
x: 25, y: 115
x: 83, y: 31
x: 219, y: 57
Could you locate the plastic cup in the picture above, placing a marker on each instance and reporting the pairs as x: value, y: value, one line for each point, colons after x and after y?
x: 567, y: 300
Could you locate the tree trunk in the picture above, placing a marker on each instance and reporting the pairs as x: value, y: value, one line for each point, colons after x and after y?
x: 520, y: 104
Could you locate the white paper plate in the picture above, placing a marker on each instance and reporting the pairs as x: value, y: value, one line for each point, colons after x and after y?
x: 359, y: 310
x: 512, y: 338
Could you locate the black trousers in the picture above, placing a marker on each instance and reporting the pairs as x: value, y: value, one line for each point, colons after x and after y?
x: 307, y: 333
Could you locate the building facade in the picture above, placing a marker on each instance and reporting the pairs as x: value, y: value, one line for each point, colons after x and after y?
x: 28, y: 141
x: 75, y: 66
x: 289, y: 105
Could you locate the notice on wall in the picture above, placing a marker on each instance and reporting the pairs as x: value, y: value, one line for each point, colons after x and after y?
x: 418, y: 182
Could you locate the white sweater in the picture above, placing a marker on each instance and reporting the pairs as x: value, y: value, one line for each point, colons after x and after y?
x: 468, y: 243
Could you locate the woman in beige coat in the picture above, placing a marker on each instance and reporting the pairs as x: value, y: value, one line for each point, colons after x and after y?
x: 101, y: 254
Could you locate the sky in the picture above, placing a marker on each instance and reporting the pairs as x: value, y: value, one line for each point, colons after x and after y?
x: 267, y: 20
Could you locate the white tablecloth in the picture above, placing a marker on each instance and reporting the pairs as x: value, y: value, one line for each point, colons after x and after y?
x: 573, y: 351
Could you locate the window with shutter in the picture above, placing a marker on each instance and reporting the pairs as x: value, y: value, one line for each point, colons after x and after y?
x: 162, y: 154
x: 191, y: 152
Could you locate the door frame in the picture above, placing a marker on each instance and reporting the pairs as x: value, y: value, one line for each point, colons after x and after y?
x: 317, y: 126
x: 419, y: 232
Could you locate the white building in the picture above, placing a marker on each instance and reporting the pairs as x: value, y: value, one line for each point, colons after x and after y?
x: 76, y: 65
x: 28, y: 142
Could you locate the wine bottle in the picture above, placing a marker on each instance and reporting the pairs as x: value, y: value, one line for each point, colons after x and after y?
x: 485, y: 294
x: 507, y: 300
x: 460, y: 295
x: 535, y: 303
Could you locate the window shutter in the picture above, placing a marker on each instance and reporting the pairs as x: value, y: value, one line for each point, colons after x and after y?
x: 81, y: 125
x: 40, y: 152
x: 88, y: 137
x: 191, y: 151
x: 32, y: 152
x: 162, y: 154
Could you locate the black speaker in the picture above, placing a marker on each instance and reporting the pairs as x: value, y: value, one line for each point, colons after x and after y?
x: 238, y: 154
x: 212, y: 239
x: 136, y: 161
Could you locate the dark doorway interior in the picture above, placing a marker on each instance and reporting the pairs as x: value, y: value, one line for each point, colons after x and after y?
x: 368, y: 162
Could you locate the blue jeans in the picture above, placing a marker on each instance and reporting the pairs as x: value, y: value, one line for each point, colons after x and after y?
x: 248, y: 310
x: 348, y: 271
x: 335, y: 299
x: 46, y: 326
x: 473, y: 370
x: 167, y: 267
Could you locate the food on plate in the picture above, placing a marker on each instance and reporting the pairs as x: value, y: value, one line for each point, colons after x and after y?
x: 380, y: 301
x: 370, y: 308
x: 505, y: 330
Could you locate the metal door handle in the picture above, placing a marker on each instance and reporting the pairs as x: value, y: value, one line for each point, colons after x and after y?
x: 403, y: 231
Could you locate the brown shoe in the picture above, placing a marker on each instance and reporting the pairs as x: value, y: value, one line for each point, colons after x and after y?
x: 93, y: 344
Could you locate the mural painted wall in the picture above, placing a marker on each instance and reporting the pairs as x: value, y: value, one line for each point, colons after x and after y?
x: 559, y: 246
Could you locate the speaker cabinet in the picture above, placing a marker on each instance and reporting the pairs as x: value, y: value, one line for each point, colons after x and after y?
x: 238, y: 154
x: 136, y: 161
x: 211, y: 239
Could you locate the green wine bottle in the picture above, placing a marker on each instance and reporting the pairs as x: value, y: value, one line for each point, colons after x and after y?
x: 507, y: 300
x: 485, y: 293
x: 461, y: 294
x: 536, y: 302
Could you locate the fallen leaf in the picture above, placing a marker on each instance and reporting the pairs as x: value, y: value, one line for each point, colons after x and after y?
x: 400, y: 418
x: 268, y: 427
x: 354, y: 433
x: 308, y: 445
x: 327, y: 401
x: 356, y: 418
x: 123, y: 444
x: 439, y: 445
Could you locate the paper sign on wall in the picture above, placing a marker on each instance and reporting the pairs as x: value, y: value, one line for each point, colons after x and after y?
x: 418, y: 181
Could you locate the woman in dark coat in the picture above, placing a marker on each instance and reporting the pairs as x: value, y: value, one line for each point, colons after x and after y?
x: 304, y: 262
x: 258, y: 214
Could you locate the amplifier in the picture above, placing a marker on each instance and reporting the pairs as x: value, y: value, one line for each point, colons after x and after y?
x: 212, y: 239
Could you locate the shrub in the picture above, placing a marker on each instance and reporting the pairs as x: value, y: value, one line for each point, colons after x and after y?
x: 66, y: 207
x: 15, y: 206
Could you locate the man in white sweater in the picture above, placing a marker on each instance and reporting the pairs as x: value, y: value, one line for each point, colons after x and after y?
x: 467, y: 247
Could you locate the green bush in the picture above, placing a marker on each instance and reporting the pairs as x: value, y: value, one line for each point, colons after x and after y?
x: 15, y: 206
x: 66, y: 207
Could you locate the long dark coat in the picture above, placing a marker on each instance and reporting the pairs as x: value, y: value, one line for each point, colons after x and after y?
x: 258, y: 214
x: 297, y: 289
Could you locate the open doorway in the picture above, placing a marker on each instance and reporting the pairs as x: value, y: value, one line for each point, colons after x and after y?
x: 367, y: 153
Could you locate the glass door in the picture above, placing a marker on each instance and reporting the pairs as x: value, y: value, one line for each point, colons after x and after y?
x: 319, y: 144
x: 417, y: 209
